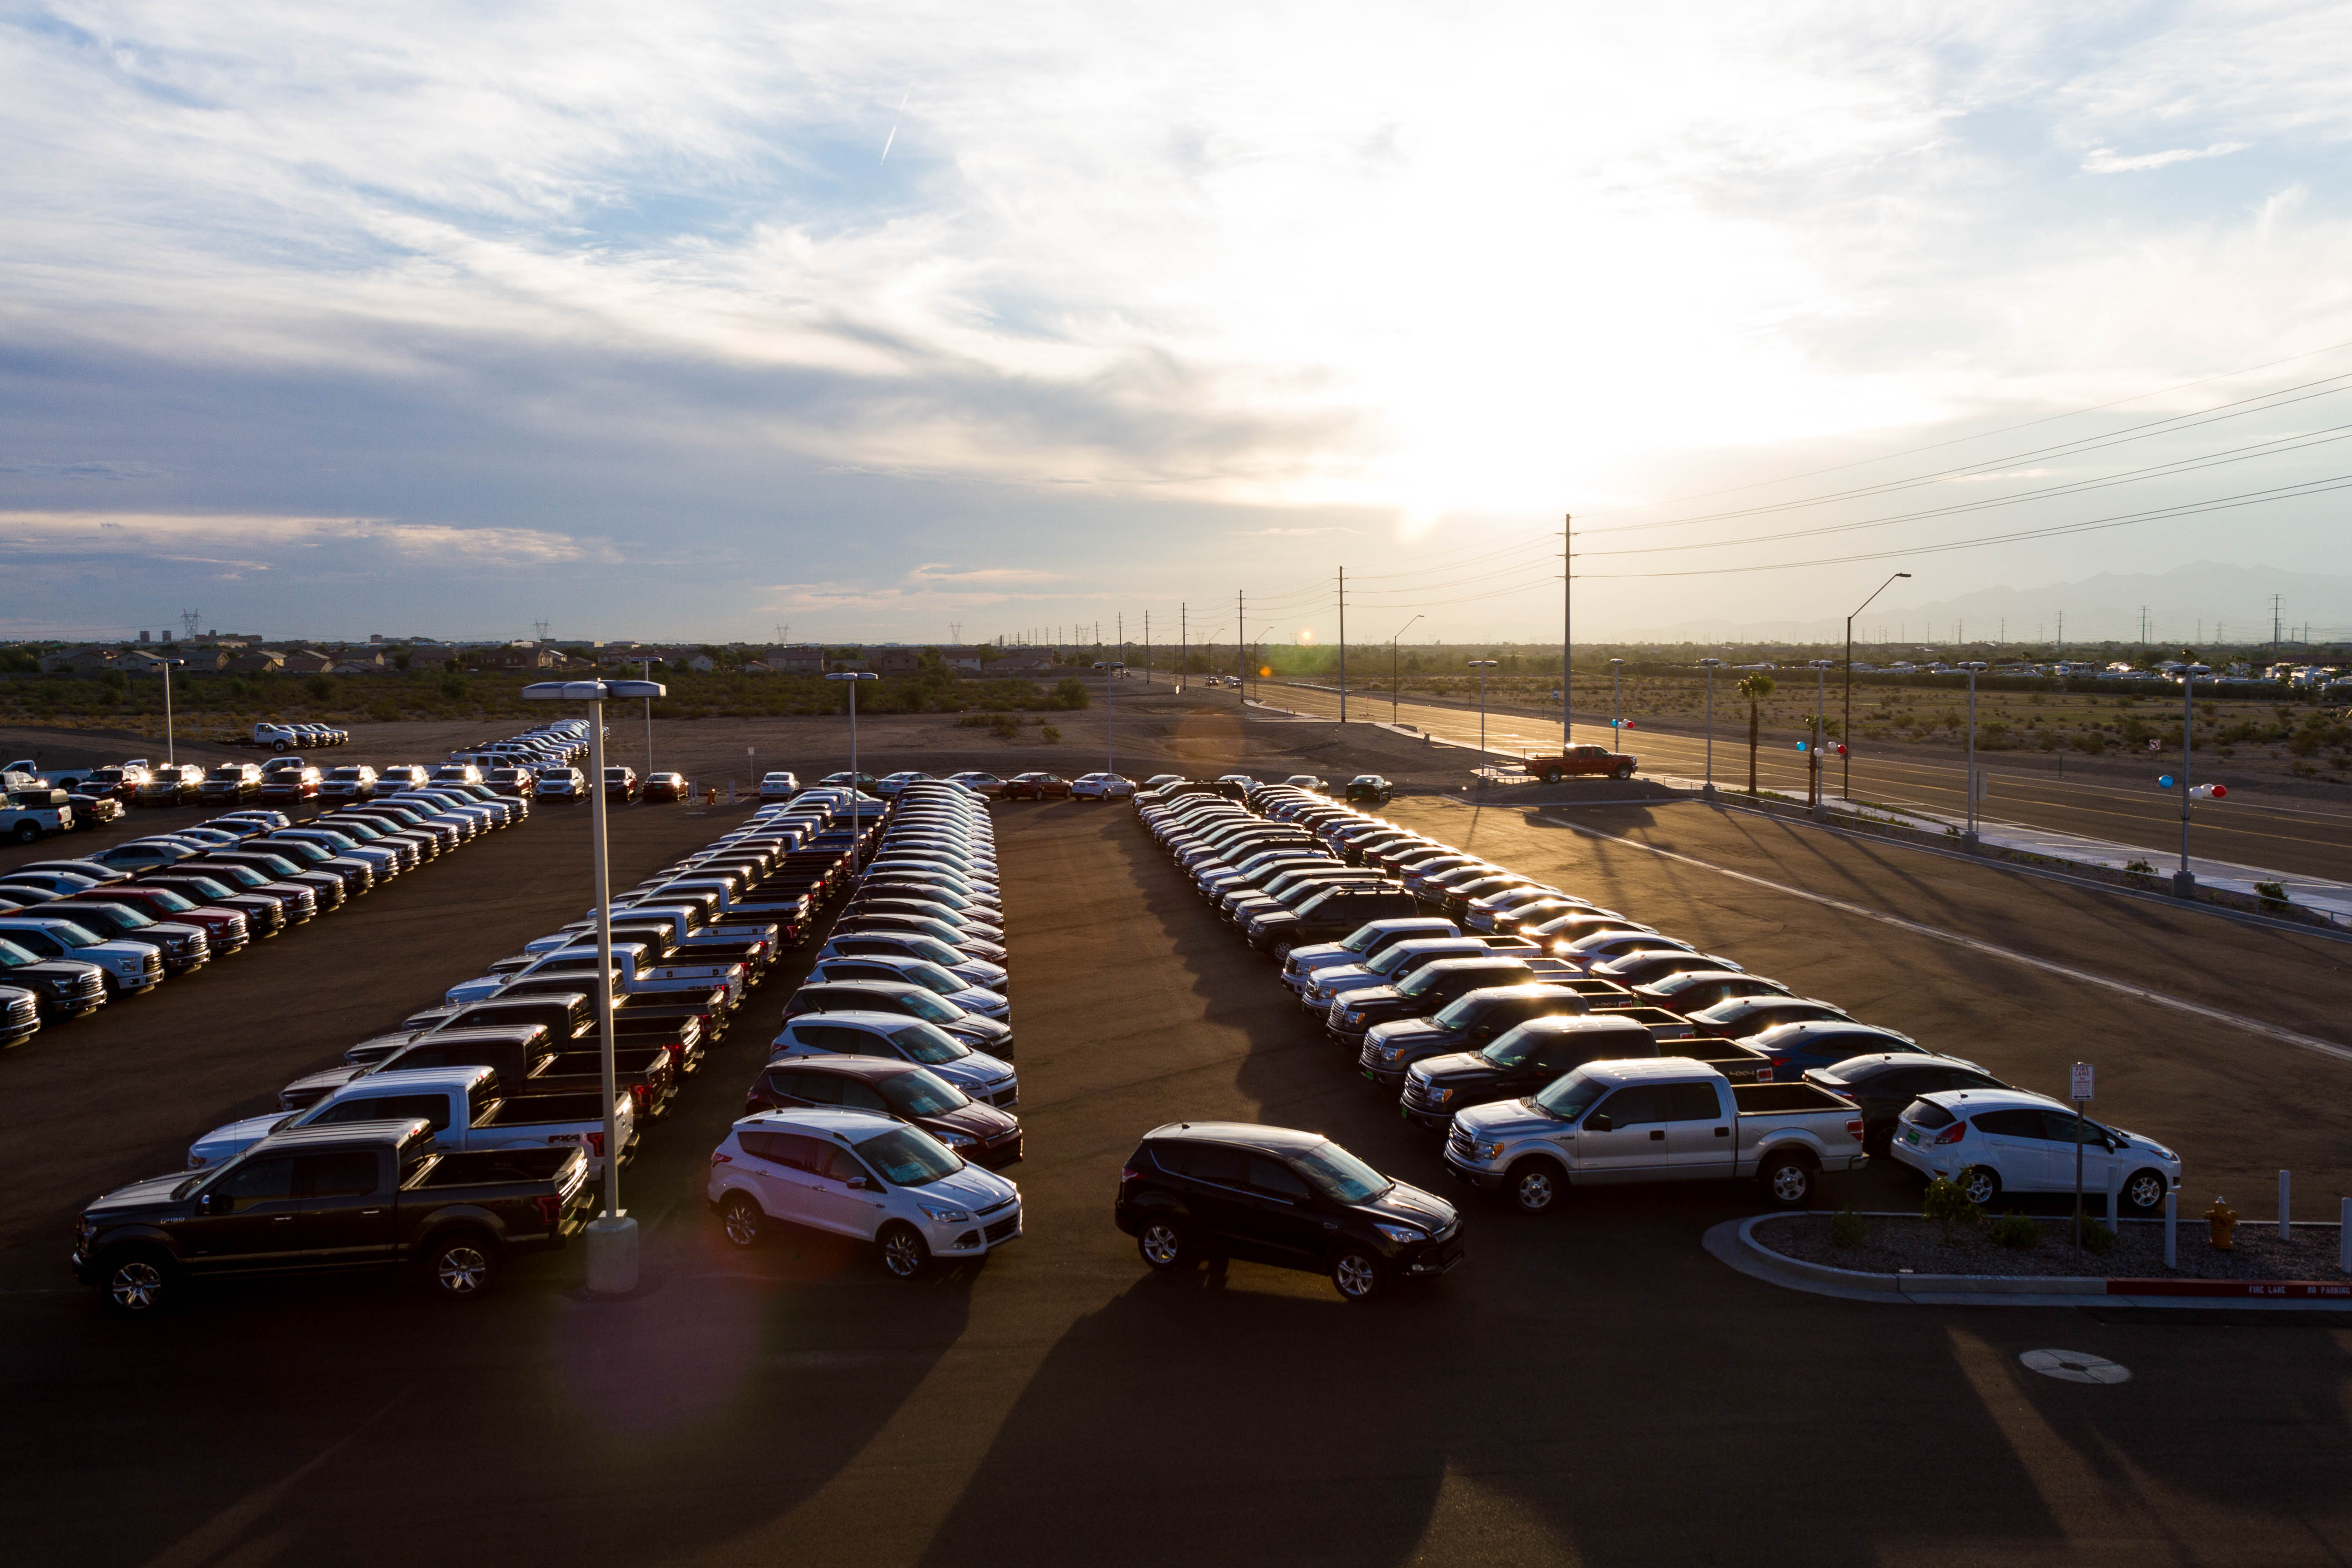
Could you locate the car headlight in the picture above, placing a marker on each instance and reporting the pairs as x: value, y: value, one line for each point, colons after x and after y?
x: 1437, y: 1095
x: 1487, y: 1151
x: 945, y: 1215
x: 1353, y: 1016
x: 1403, y: 1235
x: 955, y: 1139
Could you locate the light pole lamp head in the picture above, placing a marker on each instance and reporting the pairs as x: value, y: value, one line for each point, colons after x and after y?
x: 1710, y: 664
x: 851, y: 674
x: 1615, y: 663
x: 1975, y: 666
x: 1822, y: 663
x: 591, y: 690
x: 1482, y: 664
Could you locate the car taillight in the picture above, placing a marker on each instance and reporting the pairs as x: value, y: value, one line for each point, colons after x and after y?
x: 1954, y: 1133
x: 720, y: 1157
x: 1129, y: 1174
x: 1854, y: 1131
x: 638, y: 1096
x: 596, y: 1144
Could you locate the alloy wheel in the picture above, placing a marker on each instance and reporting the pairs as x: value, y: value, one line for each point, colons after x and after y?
x: 1791, y: 1181
x: 1356, y: 1275
x: 462, y: 1270
x: 1162, y: 1243
x: 903, y: 1253
x: 136, y: 1285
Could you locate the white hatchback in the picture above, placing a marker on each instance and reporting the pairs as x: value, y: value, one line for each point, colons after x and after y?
x: 1996, y: 1141
x: 861, y: 1174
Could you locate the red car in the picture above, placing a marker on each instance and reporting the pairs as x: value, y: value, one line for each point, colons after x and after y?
x: 1585, y: 761
x: 226, y: 930
x: 1037, y: 786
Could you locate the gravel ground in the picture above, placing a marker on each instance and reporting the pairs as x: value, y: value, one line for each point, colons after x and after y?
x: 1894, y: 1243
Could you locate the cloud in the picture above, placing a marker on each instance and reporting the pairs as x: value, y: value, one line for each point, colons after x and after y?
x: 259, y: 543
x: 2105, y: 161
x: 1324, y: 532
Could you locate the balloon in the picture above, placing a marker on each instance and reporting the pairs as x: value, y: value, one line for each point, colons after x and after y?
x: 2164, y: 780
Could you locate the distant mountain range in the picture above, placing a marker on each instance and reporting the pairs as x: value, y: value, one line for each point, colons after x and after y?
x: 2206, y: 602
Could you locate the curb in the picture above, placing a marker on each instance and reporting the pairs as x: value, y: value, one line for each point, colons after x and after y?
x: 1733, y: 1242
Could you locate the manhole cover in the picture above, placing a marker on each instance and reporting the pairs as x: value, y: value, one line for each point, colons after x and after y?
x: 2076, y: 1366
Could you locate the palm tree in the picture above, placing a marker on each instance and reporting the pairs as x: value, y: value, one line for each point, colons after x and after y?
x: 1755, y: 688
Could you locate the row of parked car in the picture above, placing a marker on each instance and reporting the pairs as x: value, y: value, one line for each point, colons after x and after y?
x: 1553, y: 1042
x: 76, y: 934
x: 887, y: 1105
x: 474, y: 1129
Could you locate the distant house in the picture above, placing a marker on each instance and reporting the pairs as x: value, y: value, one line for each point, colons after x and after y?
x: 78, y: 661
x: 525, y: 657
x: 1023, y: 661
x: 802, y: 659
x: 965, y: 660
x: 307, y: 661
x: 757, y: 667
x: 701, y: 664
x: 897, y: 660
x: 254, y: 664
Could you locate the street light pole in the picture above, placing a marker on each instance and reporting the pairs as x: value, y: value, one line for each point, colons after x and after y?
x: 613, y: 1237
x: 1392, y: 666
x: 1820, y: 716
x: 1482, y: 666
x: 2184, y: 882
x: 857, y: 859
x: 1110, y: 717
x: 1969, y: 837
x: 649, y: 721
x: 1710, y: 666
x: 1847, y: 788
x: 1616, y: 724
x: 171, y: 754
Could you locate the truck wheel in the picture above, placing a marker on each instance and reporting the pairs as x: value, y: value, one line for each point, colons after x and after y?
x: 462, y: 1267
x: 2143, y: 1193
x: 27, y: 832
x: 279, y: 745
x: 742, y: 1219
x: 1533, y: 1186
x: 1356, y: 1274
x: 1981, y: 1185
x: 1623, y: 771
x: 1162, y: 1243
x: 1789, y: 1180
x: 1551, y: 775
x: 904, y: 1253
x: 138, y: 1284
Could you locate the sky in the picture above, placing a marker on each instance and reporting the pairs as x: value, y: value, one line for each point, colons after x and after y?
x: 851, y: 322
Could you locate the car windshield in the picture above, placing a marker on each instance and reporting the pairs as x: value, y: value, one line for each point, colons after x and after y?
x: 932, y: 977
x: 169, y: 901
x: 1421, y: 983
x: 129, y: 917
x: 920, y: 1093
x: 924, y: 1043
x: 1392, y: 959
x: 69, y: 935
x: 1513, y: 1046
x: 1456, y: 1014
x: 908, y: 1158
x: 243, y: 876
x: 1340, y: 1175
x: 930, y: 1008
x: 1571, y: 1096
x: 935, y: 951
x: 11, y: 955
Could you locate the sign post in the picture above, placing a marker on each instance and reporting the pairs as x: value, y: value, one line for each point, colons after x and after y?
x: 2079, y: 1091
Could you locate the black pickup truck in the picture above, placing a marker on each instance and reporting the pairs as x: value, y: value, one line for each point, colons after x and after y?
x: 363, y: 1194
x: 525, y: 1058
x: 640, y: 1012
x: 570, y: 1020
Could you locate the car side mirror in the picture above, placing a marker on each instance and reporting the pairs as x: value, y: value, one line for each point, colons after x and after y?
x: 212, y: 1202
x: 860, y: 1185
x: 1599, y: 1121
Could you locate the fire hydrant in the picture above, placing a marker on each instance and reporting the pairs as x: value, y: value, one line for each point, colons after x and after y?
x: 710, y: 797
x: 2223, y: 1218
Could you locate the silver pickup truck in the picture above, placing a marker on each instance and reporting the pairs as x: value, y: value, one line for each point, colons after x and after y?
x: 1656, y: 1118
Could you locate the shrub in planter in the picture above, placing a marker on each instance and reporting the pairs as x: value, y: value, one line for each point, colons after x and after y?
x: 2097, y: 1239
x: 1846, y: 1228
x: 1947, y: 1203
x: 2014, y: 1231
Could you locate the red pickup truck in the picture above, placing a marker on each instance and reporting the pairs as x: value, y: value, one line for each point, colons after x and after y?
x: 1582, y: 759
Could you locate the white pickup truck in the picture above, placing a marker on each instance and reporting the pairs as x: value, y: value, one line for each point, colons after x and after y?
x: 30, y: 811
x: 464, y: 1106
x: 628, y: 958
x: 1655, y: 1118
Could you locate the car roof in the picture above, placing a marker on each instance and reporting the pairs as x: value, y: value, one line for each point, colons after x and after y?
x: 1650, y: 1067
x: 1996, y: 1100
x: 844, y: 1064
x: 838, y: 1119
x: 1862, y: 1068
x: 390, y: 1130
x: 883, y: 1021
x: 1247, y: 1134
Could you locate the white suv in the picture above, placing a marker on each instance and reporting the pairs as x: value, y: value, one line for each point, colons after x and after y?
x: 863, y: 1174
x: 1996, y: 1141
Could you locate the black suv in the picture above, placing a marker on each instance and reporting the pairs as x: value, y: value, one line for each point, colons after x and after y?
x: 1518, y: 1064
x: 1431, y: 987
x: 1883, y: 1083
x: 1297, y: 1200
x: 1371, y: 787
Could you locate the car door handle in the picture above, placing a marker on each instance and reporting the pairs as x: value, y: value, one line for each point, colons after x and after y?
x: 1657, y: 1134
x: 371, y: 1211
x: 280, y: 1219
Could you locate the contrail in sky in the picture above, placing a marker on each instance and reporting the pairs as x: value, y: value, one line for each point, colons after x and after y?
x: 894, y: 127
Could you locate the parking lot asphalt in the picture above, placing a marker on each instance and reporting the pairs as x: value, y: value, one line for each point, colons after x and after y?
x: 1590, y: 1387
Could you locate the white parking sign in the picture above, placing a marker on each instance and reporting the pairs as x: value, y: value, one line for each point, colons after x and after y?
x: 2082, y: 1089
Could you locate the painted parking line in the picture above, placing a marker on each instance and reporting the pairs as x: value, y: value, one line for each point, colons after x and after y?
x: 1992, y: 950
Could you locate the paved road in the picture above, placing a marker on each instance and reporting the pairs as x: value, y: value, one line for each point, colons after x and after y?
x: 1591, y: 1387
x: 2308, y: 838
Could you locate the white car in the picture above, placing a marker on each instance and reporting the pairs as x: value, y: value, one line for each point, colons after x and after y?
x: 981, y: 783
x: 989, y: 1080
x: 1996, y: 1141
x: 861, y: 1174
x: 779, y: 785
x: 891, y: 784
x: 558, y: 784
x: 1101, y: 786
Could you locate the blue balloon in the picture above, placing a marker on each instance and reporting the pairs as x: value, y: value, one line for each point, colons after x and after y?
x: 2164, y: 780
x: 1801, y: 745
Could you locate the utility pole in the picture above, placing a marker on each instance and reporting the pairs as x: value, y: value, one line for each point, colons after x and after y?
x: 1240, y: 637
x: 1147, y: 650
x: 1183, y: 640
x: 2274, y: 623
x: 1567, y: 629
x: 1343, y: 644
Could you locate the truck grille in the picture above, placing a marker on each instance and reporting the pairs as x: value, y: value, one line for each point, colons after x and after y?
x: 1460, y: 1144
x: 1416, y: 1091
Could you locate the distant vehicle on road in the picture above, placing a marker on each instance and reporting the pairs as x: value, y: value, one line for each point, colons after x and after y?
x: 1582, y: 761
x: 1370, y: 788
